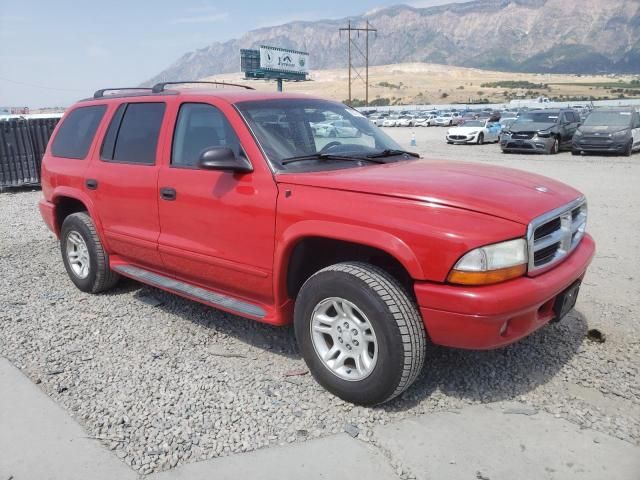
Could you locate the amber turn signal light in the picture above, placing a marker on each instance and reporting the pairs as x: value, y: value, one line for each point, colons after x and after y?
x: 486, y: 278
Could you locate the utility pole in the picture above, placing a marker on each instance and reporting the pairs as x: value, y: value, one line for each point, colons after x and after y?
x: 351, y: 43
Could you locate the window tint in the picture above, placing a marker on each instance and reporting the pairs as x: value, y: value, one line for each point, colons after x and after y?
x: 109, y: 142
x: 200, y: 126
x: 133, y: 133
x: 76, y: 133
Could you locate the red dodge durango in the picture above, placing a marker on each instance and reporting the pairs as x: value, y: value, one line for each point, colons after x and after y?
x: 233, y: 198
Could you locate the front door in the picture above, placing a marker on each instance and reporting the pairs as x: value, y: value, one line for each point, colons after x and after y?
x: 217, y: 230
x: 123, y: 182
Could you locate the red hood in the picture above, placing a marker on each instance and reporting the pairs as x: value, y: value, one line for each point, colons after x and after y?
x: 497, y: 191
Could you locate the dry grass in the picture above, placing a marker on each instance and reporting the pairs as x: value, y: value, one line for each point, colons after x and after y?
x: 426, y: 83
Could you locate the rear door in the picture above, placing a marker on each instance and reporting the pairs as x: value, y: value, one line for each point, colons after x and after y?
x: 123, y: 181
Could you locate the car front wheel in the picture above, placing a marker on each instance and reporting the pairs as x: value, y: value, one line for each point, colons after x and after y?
x: 359, y: 332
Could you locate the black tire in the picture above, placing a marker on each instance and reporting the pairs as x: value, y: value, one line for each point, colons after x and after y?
x: 100, y: 276
x: 629, y: 150
x: 480, y: 140
x: 575, y: 152
x: 394, y: 317
x: 555, y: 148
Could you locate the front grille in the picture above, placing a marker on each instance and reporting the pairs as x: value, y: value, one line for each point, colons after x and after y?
x: 522, y: 135
x: 596, y: 140
x: 519, y: 145
x: 458, y: 137
x: 554, y: 235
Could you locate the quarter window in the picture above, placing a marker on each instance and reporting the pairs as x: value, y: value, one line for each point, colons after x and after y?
x: 133, y: 133
x: 200, y: 126
x: 75, y: 135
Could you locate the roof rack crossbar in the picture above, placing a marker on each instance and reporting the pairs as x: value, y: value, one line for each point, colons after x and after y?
x: 159, y: 87
x: 100, y: 93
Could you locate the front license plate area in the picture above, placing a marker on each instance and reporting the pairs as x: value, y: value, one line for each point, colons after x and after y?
x: 566, y: 301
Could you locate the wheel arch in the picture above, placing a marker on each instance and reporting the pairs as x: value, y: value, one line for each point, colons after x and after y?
x: 318, y: 241
x: 68, y: 201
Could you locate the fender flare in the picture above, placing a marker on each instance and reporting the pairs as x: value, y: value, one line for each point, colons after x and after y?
x: 370, y: 237
x: 82, y: 197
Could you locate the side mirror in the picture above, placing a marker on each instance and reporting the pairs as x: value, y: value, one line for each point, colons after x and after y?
x: 223, y: 158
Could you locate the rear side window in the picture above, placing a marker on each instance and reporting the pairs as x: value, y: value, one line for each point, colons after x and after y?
x: 132, y: 136
x: 76, y: 133
x: 200, y: 126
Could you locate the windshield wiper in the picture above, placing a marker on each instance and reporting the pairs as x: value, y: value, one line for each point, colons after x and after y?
x: 392, y: 153
x: 329, y: 156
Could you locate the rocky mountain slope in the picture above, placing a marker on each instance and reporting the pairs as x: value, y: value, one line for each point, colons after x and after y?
x: 563, y: 36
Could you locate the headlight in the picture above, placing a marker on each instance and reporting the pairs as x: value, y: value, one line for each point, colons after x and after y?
x: 473, y: 133
x: 544, y: 134
x: 621, y: 133
x: 491, y: 264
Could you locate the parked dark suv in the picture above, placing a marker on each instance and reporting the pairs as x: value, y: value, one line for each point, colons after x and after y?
x: 541, y: 131
x: 611, y: 130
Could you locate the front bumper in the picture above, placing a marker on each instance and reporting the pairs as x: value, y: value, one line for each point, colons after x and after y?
x: 606, y: 145
x: 473, y: 317
x: 531, y: 145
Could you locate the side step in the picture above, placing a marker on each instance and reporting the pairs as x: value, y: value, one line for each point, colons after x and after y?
x: 182, y: 288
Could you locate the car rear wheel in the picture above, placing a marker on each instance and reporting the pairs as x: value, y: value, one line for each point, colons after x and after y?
x: 84, y: 258
x: 359, y: 332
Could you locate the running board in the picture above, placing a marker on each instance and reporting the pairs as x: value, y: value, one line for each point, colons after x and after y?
x: 182, y: 288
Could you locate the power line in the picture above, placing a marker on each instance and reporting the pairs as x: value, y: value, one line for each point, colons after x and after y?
x: 43, y: 87
x: 364, y: 54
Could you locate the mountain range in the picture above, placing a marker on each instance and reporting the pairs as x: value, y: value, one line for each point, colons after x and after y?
x: 538, y: 36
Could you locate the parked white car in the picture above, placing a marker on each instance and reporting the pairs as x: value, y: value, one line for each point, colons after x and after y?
x: 390, y: 122
x: 474, y: 131
x: 444, y: 120
x: 336, y: 128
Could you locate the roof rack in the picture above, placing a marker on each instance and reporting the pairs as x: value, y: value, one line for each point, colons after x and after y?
x: 159, y: 87
x: 100, y: 93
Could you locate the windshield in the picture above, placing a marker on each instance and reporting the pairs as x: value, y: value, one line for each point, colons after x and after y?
x: 613, y: 119
x: 538, y: 117
x: 289, y: 128
x: 473, y: 123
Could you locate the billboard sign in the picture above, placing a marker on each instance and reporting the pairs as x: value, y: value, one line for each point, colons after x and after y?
x: 283, y: 60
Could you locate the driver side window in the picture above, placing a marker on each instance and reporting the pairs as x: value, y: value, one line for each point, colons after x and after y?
x: 200, y: 126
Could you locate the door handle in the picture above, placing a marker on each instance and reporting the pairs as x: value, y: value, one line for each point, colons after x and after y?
x: 168, y: 193
x: 91, y: 183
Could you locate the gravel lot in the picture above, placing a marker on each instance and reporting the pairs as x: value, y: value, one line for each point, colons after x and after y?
x: 164, y: 381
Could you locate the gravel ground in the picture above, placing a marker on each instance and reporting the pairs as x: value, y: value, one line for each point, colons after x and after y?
x: 163, y: 381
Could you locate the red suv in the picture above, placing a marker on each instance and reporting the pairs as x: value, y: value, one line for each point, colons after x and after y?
x: 229, y: 198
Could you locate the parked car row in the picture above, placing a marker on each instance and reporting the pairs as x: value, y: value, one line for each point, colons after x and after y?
x: 608, y: 130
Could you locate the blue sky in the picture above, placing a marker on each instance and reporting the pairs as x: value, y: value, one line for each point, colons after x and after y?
x: 53, y: 52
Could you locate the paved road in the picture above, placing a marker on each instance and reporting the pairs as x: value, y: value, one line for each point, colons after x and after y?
x: 38, y: 440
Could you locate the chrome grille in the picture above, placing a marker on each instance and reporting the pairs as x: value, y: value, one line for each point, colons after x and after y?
x: 552, y: 236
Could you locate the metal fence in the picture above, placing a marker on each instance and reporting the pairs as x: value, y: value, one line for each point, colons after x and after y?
x: 22, y: 145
